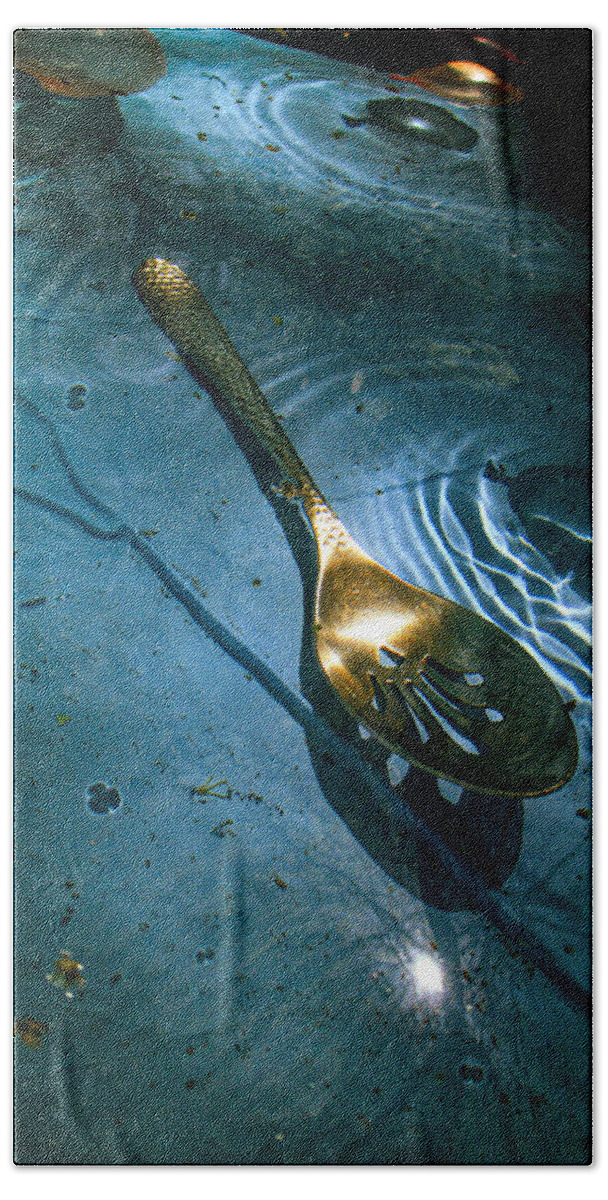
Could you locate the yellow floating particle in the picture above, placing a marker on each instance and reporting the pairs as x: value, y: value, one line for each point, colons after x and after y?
x: 223, y: 830
x: 30, y: 1031
x: 209, y: 788
x: 67, y: 974
x: 63, y: 718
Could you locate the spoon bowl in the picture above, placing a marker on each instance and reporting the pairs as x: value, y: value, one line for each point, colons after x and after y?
x: 438, y: 684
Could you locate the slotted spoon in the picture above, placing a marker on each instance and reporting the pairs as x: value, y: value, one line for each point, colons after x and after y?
x: 446, y: 689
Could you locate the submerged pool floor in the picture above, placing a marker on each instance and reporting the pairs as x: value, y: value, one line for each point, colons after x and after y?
x: 248, y: 981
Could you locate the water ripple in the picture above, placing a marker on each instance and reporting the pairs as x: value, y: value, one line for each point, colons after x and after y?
x: 286, y: 134
x: 450, y: 533
x: 438, y: 535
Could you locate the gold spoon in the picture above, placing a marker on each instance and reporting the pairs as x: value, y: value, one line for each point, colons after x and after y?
x: 434, y: 682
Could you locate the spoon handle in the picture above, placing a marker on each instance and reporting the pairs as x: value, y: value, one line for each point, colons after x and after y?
x: 182, y: 312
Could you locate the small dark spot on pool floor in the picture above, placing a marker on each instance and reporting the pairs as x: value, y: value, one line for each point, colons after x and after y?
x: 471, y: 1073
x: 76, y: 396
x: 205, y: 955
x: 102, y: 799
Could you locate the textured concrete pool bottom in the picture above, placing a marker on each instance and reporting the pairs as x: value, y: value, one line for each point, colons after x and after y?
x: 335, y: 1016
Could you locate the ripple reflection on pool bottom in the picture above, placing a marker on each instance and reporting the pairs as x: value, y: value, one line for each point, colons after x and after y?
x: 450, y: 531
x: 467, y: 548
x: 250, y: 128
x: 411, y: 489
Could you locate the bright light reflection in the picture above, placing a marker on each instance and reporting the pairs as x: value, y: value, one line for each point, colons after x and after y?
x: 428, y: 976
x: 331, y: 660
x: 377, y: 628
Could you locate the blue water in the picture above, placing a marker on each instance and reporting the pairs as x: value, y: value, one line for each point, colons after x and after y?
x: 409, y: 325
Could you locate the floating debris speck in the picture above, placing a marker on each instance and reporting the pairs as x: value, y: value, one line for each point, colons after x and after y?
x: 223, y: 830
x: 471, y: 1073
x: 76, y: 396
x: 30, y: 1031
x: 67, y: 974
x: 208, y: 788
x: 205, y: 955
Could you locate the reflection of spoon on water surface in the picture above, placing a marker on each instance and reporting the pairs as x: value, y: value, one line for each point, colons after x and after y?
x: 434, y: 682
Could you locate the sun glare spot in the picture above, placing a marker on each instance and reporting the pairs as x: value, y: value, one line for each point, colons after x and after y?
x: 428, y: 976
